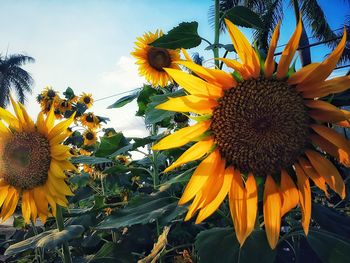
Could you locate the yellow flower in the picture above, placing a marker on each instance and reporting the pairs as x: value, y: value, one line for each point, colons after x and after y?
x: 90, y: 120
x: 90, y: 137
x: 33, y: 161
x: 86, y: 99
x: 152, y: 60
x: 267, y: 125
x: 125, y: 160
x: 64, y: 105
x: 49, y: 94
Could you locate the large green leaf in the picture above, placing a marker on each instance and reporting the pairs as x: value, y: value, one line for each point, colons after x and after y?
x: 111, y: 252
x: 221, y: 243
x: 89, y: 160
x: 142, y: 210
x: 110, y: 144
x: 185, y: 35
x: 29, y: 243
x: 145, y: 97
x: 243, y: 16
x: 328, y: 246
x: 124, y: 100
x: 331, y: 220
x: 57, y: 238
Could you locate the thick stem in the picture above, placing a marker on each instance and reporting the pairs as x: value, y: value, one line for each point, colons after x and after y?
x: 60, y: 225
x: 217, y: 32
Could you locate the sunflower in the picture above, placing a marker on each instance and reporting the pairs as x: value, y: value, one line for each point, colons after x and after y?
x: 32, y: 164
x: 86, y: 99
x: 90, y: 137
x: 64, y: 105
x: 152, y: 60
x: 123, y: 159
x: 259, y: 124
x: 90, y: 120
x: 49, y: 94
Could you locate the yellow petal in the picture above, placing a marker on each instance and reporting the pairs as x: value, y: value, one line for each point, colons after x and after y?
x: 56, y: 170
x: 244, y: 50
x: 59, y: 149
x: 3, y: 193
x: 217, y: 77
x: 238, y: 206
x: 9, y: 118
x: 59, y: 138
x: 4, y: 131
x: 182, y: 136
x: 270, y: 62
x: 10, y: 204
x: 189, y: 103
x: 272, y: 211
x: 323, y: 70
x: 60, y: 186
x: 304, y: 197
x: 41, y: 203
x: 252, y: 204
x: 61, y: 127
x: 236, y: 66
x: 308, y: 169
x: 194, y: 206
x: 187, y: 56
x: 332, y: 136
x: 41, y: 124
x: 327, y: 87
x: 26, y: 207
x: 18, y: 112
x: 324, y: 111
x: 341, y: 154
x: 289, y: 51
x: 33, y: 208
x: 289, y: 193
x: 194, y: 85
x: 209, y: 209
x: 195, y: 152
x: 200, y: 176
x: 301, y: 74
x: 327, y: 170
x: 50, y: 119
x: 29, y: 124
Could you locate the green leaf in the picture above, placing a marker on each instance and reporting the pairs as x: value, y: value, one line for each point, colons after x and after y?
x: 57, y: 238
x: 185, y: 35
x: 123, y: 101
x: 222, y: 243
x: 243, y: 16
x: 110, y: 144
x: 111, y: 252
x: 331, y: 220
x: 142, y: 210
x: 29, y: 243
x: 328, y: 246
x: 69, y: 93
x: 144, y: 98
x: 89, y: 160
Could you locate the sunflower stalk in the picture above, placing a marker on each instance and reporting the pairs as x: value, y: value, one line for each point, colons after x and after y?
x: 216, y: 32
x: 60, y: 225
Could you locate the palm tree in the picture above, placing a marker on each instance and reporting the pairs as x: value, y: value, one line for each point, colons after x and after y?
x: 271, y: 12
x: 12, y: 76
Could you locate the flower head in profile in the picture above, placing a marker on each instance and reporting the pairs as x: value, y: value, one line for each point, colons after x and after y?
x: 33, y: 162
x: 264, y: 123
x: 152, y: 60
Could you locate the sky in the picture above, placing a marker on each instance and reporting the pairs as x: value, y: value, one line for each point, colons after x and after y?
x: 86, y: 44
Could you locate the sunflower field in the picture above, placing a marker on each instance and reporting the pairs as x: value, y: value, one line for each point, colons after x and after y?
x: 247, y: 157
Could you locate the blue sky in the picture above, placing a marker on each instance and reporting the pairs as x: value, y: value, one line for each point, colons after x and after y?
x: 86, y: 44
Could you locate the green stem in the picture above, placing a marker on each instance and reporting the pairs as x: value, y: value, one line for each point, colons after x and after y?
x: 60, y: 225
x: 217, y: 32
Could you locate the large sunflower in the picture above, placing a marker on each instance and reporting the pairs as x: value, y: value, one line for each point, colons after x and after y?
x: 152, y: 60
x: 259, y: 124
x: 32, y: 164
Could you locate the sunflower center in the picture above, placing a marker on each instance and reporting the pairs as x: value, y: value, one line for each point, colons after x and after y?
x: 90, y: 136
x: 90, y: 118
x: 51, y: 93
x: 87, y: 100
x: 158, y: 58
x: 261, y: 126
x: 26, y: 160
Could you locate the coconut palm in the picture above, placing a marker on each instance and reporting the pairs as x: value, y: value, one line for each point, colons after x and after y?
x: 271, y: 12
x: 13, y: 76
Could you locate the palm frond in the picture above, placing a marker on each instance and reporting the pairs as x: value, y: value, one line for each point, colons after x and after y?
x: 19, y: 60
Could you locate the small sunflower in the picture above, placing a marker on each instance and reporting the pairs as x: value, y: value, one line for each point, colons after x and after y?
x: 64, y: 105
x: 49, y: 94
x: 86, y: 99
x: 123, y: 159
x: 90, y: 120
x: 32, y: 164
x: 152, y: 60
x: 268, y: 125
x: 90, y: 137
